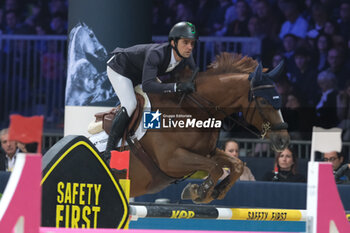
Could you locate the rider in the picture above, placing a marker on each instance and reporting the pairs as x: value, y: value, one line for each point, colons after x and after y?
x: 142, y: 64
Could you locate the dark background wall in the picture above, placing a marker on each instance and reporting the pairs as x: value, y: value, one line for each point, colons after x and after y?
x: 116, y: 23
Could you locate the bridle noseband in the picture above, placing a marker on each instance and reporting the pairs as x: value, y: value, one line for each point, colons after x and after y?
x: 266, y: 125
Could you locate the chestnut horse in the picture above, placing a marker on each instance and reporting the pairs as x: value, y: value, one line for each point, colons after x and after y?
x: 231, y: 84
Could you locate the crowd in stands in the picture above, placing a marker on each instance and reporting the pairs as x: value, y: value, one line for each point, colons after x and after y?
x: 41, y: 17
x: 312, y: 37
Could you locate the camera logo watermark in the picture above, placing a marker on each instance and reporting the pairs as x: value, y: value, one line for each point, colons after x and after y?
x: 157, y: 120
x: 151, y: 120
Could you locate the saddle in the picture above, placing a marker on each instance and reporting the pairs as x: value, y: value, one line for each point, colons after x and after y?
x: 108, y: 116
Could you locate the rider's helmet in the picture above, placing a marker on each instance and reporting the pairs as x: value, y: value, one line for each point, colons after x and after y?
x: 183, y: 30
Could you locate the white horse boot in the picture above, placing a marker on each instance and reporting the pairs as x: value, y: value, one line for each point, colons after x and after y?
x: 119, y: 124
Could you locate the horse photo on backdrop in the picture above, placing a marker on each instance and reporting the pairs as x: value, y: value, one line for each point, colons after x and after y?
x: 86, y: 84
x: 231, y: 84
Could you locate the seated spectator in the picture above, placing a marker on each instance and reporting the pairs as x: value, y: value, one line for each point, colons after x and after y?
x: 12, y: 23
x: 289, y: 45
x: 331, y: 28
x: 239, y: 27
x: 203, y: 9
x: 27, y: 147
x: 295, y: 24
x: 319, y: 19
x: 217, y: 17
x: 304, y: 77
x: 343, y: 111
x: 284, y: 88
x: 344, y: 19
x: 7, y: 160
x: 58, y: 25
x: 299, y: 117
x: 231, y: 148
x: 269, y: 23
x: 338, y: 65
x: 326, y: 114
x: 341, y: 170
x: 323, y: 44
x: 285, y: 168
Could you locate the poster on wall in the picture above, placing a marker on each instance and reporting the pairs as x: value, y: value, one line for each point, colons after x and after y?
x: 88, y: 89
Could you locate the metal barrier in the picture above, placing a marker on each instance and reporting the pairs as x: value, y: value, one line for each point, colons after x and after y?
x: 33, y: 77
x: 248, y: 147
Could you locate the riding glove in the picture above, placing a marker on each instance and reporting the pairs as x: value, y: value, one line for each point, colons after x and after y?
x: 185, y: 87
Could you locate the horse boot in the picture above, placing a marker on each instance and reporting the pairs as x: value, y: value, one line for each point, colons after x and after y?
x: 119, y: 124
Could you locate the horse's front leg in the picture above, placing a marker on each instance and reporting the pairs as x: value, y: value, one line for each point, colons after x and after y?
x: 184, y: 160
x: 236, y: 169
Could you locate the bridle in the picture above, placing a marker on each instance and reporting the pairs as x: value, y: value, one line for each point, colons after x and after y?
x: 266, y: 125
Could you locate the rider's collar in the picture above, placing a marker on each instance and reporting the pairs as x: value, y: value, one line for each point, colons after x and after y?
x: 173, y: 63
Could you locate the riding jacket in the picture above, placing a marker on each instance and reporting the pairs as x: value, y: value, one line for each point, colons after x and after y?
x: 143, y: 63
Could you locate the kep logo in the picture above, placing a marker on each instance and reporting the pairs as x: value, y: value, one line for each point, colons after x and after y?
x: 151, y: 120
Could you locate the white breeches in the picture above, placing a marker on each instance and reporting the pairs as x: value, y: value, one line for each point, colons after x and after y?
x: 124, y: 89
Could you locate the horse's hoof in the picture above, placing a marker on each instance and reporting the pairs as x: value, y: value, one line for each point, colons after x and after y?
x: 189, y: 191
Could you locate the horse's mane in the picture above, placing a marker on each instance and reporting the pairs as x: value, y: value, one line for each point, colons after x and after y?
x: 231, y: 63
x: 72, y: 32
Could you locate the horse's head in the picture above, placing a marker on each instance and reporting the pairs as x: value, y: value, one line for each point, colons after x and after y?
x: 264, y: 107
x: 89, y: 43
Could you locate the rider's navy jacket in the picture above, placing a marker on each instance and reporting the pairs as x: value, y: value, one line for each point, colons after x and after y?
x: 143, y: 63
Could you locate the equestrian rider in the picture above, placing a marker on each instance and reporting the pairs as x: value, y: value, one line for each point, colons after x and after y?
x: 142, y: 64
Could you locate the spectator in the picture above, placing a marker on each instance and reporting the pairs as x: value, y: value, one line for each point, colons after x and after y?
x: 284, y: 88
x: 58, y: 25
x: 319, y: 19
x: 217, y: 17
x: 58, y: 7
x: 304, y: 76
x: 344, y: 20
x: 295, y: 24
x: 341, y: 170
x: 343, y: 111
x: 203, y: 9
x: 326, y: 114
x: 289, y: 45
x: 27, y: 147
x: 285, y: 168
x: 12, y: 25
x: 183, y: 13
x: 299, y: 117
x: 337, y: 65
x: 38, y: 15
x: 323, y: 44
x: 231, y: 148
x: 10, y: 149
x: 269, y: 24
x: 239, y: 27
x: 330, y: 28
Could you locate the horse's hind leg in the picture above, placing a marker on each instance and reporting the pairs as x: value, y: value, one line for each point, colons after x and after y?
x: 236, y: 168
x: 185, y: 160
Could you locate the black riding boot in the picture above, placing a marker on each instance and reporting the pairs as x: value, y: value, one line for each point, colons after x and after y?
x: 119, y: 124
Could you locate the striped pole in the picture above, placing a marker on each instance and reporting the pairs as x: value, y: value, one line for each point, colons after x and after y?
x: 152, y: 210
x: 212, y: 212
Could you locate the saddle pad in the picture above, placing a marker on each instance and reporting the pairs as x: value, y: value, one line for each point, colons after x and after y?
x: 100, y: 138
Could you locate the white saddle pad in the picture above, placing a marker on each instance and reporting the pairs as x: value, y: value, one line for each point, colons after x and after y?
x: 99, y: 137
